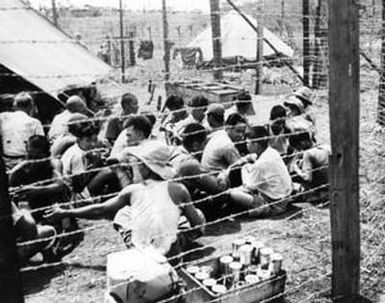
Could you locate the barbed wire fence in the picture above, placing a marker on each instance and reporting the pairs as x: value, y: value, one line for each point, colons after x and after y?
x: 303, y: 237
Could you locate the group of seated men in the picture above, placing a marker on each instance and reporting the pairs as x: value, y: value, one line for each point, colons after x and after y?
x: 212, y: 163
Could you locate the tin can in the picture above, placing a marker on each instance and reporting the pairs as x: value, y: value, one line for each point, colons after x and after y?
x: 264, y: 274
x: 236, y: 245
x: 251, y: 279
x: 192, y: 270
x: 224, y: 264
x: 235, y: 269
x: 206, y: 269
x: 209, y: 283
x: 276, y: 263
x: 239, y: 284
x: 257, y: 248
x: 245, y: 254
x: 265, y: 255
x: 201, y: 276
x: 219, y: 289
x: 252, y: 269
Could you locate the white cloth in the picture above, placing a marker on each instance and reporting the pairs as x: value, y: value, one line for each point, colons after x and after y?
x: 119, y: 145
x: 219, y: 152
x: 268, y: 175
x: 16, y: 128
x: 74, y: 163
x: 59, y: 125
x: 153, y: 216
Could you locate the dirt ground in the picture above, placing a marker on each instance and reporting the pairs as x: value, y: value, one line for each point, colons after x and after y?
x: 302, y: 235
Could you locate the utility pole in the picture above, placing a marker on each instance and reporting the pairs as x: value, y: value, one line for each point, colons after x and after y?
x: 166, y: 43
x: 216, y: 37
x: 54, y: 13
x: 259, y: 68
x: 122, y: 48
x: 10, y: 279
x: 381, y: 94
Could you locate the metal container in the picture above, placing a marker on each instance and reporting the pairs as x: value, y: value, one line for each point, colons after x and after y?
x: 192, y: 270
x: 209, y: 283
x: 236, y: 245
x: 252, y: 269
x: 257, y: 248
x: 265, y: 255
x: 206, y: 269
x: 225, y: 262
x: 251, y: 279
x: 201, y: 276
x: 219, y: 289
x: 250, y: 293
x: 264, y: 274
x: 245, y: 254
x: 235, y: 269
x: 276, y: 263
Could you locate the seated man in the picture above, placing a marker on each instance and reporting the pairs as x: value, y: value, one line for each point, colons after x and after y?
x: 129, y: 106
x: 26, y: 229
x: 59, y: 124
x: 185, y: 160
x: 278, y: 130
x: 38, y: 168
x: 242, y: 106
x: 137, y: 128
x: 312, y: 171
x: 215, y: 116
x: 146, y: 213
x: 82, y: 157
x: 266, y: 181
x: 220, y: 151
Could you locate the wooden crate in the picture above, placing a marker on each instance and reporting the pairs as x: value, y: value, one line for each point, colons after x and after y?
x: 251, y: 293
x: 214, y: 92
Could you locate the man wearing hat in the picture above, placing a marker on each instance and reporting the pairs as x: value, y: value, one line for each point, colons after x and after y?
x: 305, y: 95
x: 146, y: 213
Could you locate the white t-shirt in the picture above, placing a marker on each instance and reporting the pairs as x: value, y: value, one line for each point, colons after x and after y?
x: 220, y: 152
x: 268, y: 175
x: 17, y: 127
x: 59, y: 125
x: 119, y: 145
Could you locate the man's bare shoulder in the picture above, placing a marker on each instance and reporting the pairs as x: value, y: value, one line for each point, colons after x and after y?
x: 178, y: 192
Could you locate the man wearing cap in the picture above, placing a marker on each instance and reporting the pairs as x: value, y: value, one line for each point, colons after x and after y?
x: 296, y: 121
x: 305, y: 95
x: 17, y: 127
x: 242, y: 105
x: 146, y: 213
x: 59, y: 124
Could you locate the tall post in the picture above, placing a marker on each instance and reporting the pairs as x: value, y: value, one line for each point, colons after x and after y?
x: 282, y: 17
x: 259, y: 68
x: 10, y: 280
x: 122, y: 46
x: 381, y: 95
x: 344, y: 161
x: 216, y: 37
x: 166, y: 43
x: 54, y: 13
x: 306, y: 40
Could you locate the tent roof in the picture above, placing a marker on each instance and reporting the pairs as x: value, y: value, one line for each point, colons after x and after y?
x: 51, y: 65
x: 239, y: 39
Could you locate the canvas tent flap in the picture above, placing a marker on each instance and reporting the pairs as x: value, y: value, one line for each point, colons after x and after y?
x: 36, y: 50
x: 239, y: 39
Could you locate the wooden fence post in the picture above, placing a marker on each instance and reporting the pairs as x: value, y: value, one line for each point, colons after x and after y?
x: 381, y: 95
x: 306, y: 41
x: 344, y: 162
x: 259, y: 55
x: 122, y: 46
x: 166, y: 43
x: 216, y: 37
x: 10, y: 279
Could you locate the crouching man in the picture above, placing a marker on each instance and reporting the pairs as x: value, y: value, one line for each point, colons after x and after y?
x: 147, y: 213
x: 266, y: 182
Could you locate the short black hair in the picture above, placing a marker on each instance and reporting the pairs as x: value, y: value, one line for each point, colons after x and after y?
x: 39, y: 142
x: 128, y: 98
x: 243, y: 98
x: 193, y: 132
x: 141, y: 123
x: 234, y: 119
x: 151, y: 118
x: 199, y: 101
x: 295, y: 140
x: 218, y: 118
x: 83, y: 129
x: 23, y: 100
x: 174, y: 102
x: 277, y: 112
x: 258, y: 132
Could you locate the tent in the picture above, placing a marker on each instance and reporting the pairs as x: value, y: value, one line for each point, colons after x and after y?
x: 239, y: 40
x: 46, y: 57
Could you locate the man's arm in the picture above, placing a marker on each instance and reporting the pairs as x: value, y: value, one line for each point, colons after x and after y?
x: 231, y: 155
x: 106, y: 210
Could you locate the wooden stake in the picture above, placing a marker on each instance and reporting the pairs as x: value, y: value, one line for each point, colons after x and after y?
x: 306, y: 41
x: 381, y: 95
x: 166, y: 43
x: 122, y: 48
x: 54, y: 13
x: 344, y: 161
x: 259, y: 69
x: 216, y: 37
x: 10, y: 280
